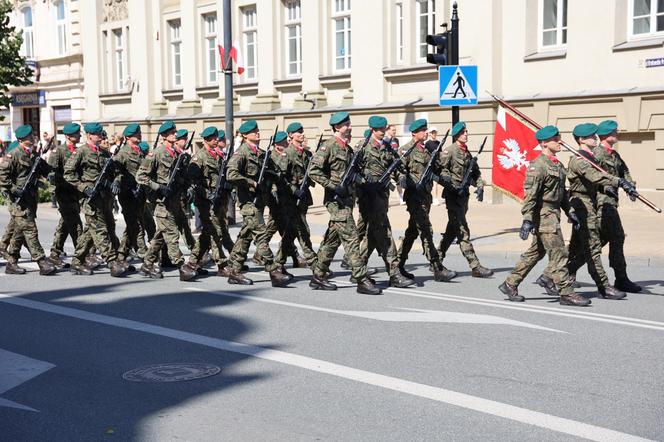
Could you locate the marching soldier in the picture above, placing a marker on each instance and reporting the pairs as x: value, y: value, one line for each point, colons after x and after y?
x: 585, y: 180
x: 417, y: 195
x: 545, y: 197
x: 9, y: 228
x: 455, y: 160
x: 14, y: 174
x: 373, y: 201
x: 610, y: 226
x: 154, y: 173
x: 66, y: 194
x: 329, y: 166
x: 146, y: 218
x: 82, y: 170
x: 224, y: 203
x: 203, y: 173
x: 185, y: 204
x: 243, y: 172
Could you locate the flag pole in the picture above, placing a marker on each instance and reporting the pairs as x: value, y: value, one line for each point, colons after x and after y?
x: 228, y: 72
x: 533, y: 123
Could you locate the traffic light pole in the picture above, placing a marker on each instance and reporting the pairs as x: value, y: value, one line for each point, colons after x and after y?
x: 454, y: 53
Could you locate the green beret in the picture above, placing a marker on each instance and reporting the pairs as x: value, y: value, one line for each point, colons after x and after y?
x: 210, y: 131
x: 585, y: 130
x: 607, y: 127
x: 248, y: 126
x: 458, y: 128
x: 417, y: 125
x: 166, y: 126
x: 280, y: 136
x: 294, y: 127
x: 338, y: 118
x: 376, y: 122
x: 546, y: 132
x: 93, y: 128
x: 144, y: 146
x: 221, y: 134
x: 13, y: 145
x: 182, y: 133
x: 367, y: 133
x: 131, y: 129
x: 23, y: 131
x: 71, y: 128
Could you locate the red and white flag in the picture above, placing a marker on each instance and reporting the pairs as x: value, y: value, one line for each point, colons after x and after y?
x: 235, y: 55
x: 514, y: 147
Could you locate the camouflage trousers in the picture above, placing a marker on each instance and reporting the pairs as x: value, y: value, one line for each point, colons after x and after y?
x: 7, y: 234
x: 169, y: 218
x: 253, y: 229
x: 547, y: 240
x: 419, y: 224
x: 70, y: 223
x: 210, y: 236
x: 24, y: 233
x: 377, y: 231
x: 457, y: 228
x: 291, y: 222
x: 585, y: 245
x: 280, y: 220
x: 133, y: 237
x: 611, y: 232
x: 99, y: 232
x: 341, y: 229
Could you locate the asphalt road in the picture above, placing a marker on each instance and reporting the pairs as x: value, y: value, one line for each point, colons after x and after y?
x: 443, y: 361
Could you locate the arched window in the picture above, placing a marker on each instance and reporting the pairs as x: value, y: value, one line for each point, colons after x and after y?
x: 28, y: 48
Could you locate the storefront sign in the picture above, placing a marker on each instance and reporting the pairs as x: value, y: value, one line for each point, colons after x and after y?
x: 654, y: 62
x: 22, y: 99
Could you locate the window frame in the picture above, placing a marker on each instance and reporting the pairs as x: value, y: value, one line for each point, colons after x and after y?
x: 120, y: 68
x: 293, y: 23
x: 251, y: 68
x: 653, y: 22
x: 60, y: 26
x: 211, y: 37
x: 342, y: 14
x: 175, y: 51
x: 28, y: 33
x: 560, y: 29
x: 431, y: 26
x: 399, y: 33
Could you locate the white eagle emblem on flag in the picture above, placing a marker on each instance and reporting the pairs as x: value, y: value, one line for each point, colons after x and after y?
x: 512, y: 155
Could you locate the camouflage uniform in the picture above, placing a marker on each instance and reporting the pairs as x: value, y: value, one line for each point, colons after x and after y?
x: 545, y: 195
x: 328, y: 167
x: 68, y: 200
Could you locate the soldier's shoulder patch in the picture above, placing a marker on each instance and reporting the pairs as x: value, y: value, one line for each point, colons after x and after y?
x: 323, y: 148
x: 445, y: 152
x: 150, y: 154
x: 194, y: 158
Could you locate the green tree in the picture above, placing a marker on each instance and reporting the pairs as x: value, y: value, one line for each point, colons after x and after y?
x: 13, y: 70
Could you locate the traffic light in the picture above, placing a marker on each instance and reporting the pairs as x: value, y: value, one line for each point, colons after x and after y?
x: 441, y: 42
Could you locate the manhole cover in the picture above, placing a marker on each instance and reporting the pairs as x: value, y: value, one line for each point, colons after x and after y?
x: 171, y: 372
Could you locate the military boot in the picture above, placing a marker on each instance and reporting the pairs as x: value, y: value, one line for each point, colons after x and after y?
x: 366, y: 287
x: 574, y: 299
x: 257, y: 259
x: 481, y: 272
x: 245, y: 268
x: 129, y: 268
x: 401, y: 281
x: 278, y: 279
x: 321, y: 283
x: 187, y: 272
x: 610, y: 292
x: 151, y: 271
x: 353, y: 279
x: 205, y: 260
x: 511, y: 292
x: 57, y: 261
x: 93, y: 262
x: 224, y: 270
x: 80, y: 269
x: 117, y: 269
x: 200, y: 271
x: 238, y: 278
x: 626, y: 285
x: 45, y: 267
x: 443, y: 274
x: 404, y: 272
x: 283, y: 271
x: 548, y: 285
x: 14, y: 269
x: 298, y: 261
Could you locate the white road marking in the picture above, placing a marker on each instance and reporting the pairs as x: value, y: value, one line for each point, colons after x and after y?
x: 16, y: 369
x: 412, y: 315
x: 469, y: 402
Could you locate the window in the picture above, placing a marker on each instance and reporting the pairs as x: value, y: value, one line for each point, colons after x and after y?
x: 27, y: 49
x: 398, y: 18
x: 341, y: 18
x: 61, y: 26
x: 646, y: 18
x: 250, y: 32
x: 426, y: 23
x: 293, y: 38
x: 119, y: 54
x: 553, y: 24
x: 175, y: 43
x: 211, y: 53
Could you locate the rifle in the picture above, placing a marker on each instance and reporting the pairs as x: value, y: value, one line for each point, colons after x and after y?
x: 576, y: 153
x: 156, y: 140
x: 33, y: 175
x: 384, y: 179
x: 349, y: 174
x: 180, y: 164
x: 266, y: 161
x: 427, y: 174
x: 221, y: 179
x: 101, y: 180
x: 468, y: 174
x: 305, y: 179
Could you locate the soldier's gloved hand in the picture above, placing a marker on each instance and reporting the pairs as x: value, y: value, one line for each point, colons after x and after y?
x: 252, y: 185
x: 88, y: 192
x: 137, y: 192
x: 164, y: 191
x: 275, y: 196
x: 574, y: 220
x: 611, y: 191
x: 633, y: 195
x: 403, y: 182
x: 627, y: 186
x: 341, y: 191
x: 299, y: 193
x: 443, y: 180
x: 526, y: 228
x: 115, y: 188
x: 480, y: 194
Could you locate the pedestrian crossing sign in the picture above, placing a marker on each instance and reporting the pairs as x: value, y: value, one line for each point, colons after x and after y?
x: 457, y: 85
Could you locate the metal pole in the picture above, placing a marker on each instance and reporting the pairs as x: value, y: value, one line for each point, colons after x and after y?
x: 228, y: 73
x: 454, y: 55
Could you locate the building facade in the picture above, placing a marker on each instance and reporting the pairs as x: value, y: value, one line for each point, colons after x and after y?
x: 561, y: 62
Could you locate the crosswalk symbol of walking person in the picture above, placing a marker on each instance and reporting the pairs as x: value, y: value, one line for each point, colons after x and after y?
x: 461, y: 82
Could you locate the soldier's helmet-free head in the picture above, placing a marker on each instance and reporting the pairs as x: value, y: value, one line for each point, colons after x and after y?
x: 546, y: 133
x: 24, y: 132
x: 131, y: 130
x: 378, y: 123
x: 210, y: 133
x: 182, y: 134
x: 144, y: 146
x: 583, y: 131
x: 458, y: 130
x: 418, y: 125
x: 295, y: 126
x: 607, y: 128
x: 281, y: 139
x: 72, y: 130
